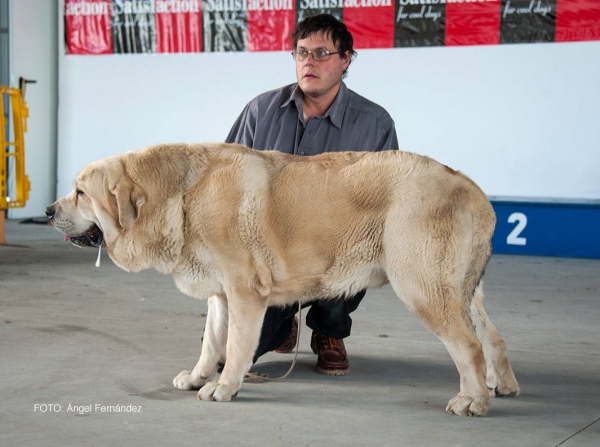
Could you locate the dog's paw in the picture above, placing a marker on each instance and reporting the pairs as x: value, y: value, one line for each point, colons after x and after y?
x: 185, y: 381
x: 468, y: 406
x: 217, y: 391
x: 508, y: 389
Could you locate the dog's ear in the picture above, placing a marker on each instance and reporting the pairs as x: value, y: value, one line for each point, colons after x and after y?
x: 129, y: 198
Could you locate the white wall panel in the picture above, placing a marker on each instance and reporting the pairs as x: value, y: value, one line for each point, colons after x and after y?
x: 521, y: 120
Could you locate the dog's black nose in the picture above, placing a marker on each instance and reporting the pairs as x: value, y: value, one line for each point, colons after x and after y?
x: 50, y: 212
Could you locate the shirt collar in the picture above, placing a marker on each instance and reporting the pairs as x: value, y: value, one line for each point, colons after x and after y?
x: 335, y: 111
x: 296, y: 96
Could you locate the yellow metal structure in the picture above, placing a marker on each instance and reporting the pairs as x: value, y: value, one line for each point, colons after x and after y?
x: 15, y: 149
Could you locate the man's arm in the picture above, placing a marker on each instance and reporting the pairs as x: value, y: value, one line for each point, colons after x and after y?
x: 389, y: 139
x: 243, y: 129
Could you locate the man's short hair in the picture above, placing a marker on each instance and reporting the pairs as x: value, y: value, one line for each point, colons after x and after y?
x: 330, y: 26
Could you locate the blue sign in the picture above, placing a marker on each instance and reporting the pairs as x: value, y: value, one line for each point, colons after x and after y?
x: 547, y: 228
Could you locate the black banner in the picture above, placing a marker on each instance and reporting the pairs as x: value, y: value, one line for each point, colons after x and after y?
x: 528, y: 21
x: 225, y: 28
x: 133, y: 26
x: 420, y: 25
x: 308, y: 8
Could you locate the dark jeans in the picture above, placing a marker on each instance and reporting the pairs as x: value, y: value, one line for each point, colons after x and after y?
x: 330, y: 318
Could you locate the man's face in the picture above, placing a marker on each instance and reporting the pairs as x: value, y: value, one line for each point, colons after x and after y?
x: 318, y: 79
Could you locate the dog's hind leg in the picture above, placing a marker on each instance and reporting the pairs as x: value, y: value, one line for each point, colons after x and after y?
x: 213, y: 347
x: 466, y: 351
x: 439, y: 306
x: 246, y: 315
x: 499, y: 374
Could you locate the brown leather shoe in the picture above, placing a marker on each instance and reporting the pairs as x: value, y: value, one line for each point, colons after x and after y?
x: 289, y: 345
x: 333, y: 359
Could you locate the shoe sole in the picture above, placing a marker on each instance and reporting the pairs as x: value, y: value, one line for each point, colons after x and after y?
x: 285, y: 351
x: 332, y: 372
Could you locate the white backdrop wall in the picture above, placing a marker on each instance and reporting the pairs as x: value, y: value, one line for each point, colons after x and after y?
x: 521, y: 120
x: 33, y: 55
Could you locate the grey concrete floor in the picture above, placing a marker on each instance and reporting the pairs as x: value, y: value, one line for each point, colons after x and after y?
x: 76, y: 340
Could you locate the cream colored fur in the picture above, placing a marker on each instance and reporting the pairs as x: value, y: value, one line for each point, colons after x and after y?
x: 252, y: 229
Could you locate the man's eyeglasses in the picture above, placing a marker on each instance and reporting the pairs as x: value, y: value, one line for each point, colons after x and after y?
x: 318, y: 55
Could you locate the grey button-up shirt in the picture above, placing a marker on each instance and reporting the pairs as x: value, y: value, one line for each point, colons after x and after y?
x: 274, y: 120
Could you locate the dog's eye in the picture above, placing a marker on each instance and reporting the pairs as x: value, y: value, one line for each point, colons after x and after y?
x: 80, y: 193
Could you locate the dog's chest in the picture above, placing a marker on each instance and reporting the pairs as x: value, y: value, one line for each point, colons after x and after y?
x: 197, y: 278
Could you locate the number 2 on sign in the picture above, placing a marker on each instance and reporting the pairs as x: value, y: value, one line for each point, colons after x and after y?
x: 513, y: 237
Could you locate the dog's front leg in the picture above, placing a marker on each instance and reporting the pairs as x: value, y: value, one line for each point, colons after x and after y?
x: 246, y: 314
x: 213, y: 347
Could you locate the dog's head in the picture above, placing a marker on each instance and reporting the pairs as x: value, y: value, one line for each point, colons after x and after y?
x: 103, y: 199
x: 124, y: 203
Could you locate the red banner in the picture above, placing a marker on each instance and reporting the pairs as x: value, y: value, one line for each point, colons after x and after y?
x: 193, y: 26
x: 88, y: 27
x: 178, y: 26
x: 577, y: 20
x: 473, y: 23
x: 371, y: 22
x: 271, y: 28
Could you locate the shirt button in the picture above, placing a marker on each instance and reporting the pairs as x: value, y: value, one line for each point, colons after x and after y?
x: 301, y: 152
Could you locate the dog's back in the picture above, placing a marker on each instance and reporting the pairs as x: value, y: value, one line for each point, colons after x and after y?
x: 338, y: 220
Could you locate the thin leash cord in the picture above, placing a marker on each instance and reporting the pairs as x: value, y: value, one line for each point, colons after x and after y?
x: 253, y: 377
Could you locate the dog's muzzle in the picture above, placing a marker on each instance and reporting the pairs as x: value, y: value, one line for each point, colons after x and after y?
x: 93, y: 237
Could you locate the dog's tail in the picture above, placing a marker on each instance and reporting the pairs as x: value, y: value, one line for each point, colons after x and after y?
x: 483, y: 225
